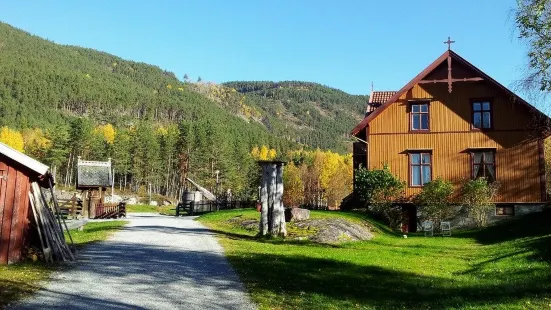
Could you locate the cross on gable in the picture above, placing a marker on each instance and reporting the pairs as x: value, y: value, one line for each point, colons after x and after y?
x: 450, y: 80
x: 449, y: 42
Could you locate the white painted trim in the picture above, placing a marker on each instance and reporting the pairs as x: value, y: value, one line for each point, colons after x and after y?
x: 23, y: 159
x: 94, y: 163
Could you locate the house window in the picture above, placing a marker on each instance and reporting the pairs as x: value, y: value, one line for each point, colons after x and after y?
x: 505, y: 210
x: 484, y: 165
x: 419, y: 116
x: 482, y: 114
x: 420, y: 169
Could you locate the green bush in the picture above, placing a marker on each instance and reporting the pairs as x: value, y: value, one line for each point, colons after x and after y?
x: 379, y: 189
x: 477, y: 196
x: 435, y: 201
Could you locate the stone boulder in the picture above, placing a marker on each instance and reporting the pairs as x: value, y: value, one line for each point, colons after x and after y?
x: 335, y: 230
x: 131, y: 201
x: 296, y: 214
x: 153, y: 203
x: 113, y: 199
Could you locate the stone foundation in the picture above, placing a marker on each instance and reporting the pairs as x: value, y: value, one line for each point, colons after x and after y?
x: 462, y: 220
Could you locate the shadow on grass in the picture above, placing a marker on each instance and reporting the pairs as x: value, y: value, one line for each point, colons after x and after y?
x: 532, y: 230
x: 302, y: 277
x: 229, y: 235
x: 103, y: 227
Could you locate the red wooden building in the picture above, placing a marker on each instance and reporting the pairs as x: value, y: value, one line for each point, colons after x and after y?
x: 17, y: 172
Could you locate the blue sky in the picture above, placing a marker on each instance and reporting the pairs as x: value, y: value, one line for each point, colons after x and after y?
x: 344, y: 44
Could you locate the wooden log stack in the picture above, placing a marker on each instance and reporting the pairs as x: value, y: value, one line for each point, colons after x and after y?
x: 50, y: 231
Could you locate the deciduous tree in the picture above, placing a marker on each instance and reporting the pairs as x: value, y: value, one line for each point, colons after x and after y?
x: 12, y: 138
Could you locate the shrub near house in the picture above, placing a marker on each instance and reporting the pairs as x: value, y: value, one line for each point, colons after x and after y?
x: 380, y: 189
x: 434, y: 201
x: 477, y: 196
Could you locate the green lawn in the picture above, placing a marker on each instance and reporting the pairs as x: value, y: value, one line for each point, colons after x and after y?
x: 502, y: 267
x: 22, y: 279
x: 168, y: 210
x: 93, y: 232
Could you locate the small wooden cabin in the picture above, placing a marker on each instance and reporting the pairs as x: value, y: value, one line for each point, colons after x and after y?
x: 93, y: 179
x: 455, y: 122
x: 17, y: 172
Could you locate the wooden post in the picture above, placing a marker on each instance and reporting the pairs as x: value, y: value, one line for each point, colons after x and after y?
x: 272, y: 170
x: 264, y: 201
x: 279, y: 208
x: 86, y: 204
x: 113, y: 186
x: 74, y: 206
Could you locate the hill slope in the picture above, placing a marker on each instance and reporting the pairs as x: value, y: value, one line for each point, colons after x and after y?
x: 163, y: 128
x: 310, y: 113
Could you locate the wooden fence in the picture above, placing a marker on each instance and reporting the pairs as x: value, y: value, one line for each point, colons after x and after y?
x: 192, y: 207
x: 72, y: 209
x: 111, y: 211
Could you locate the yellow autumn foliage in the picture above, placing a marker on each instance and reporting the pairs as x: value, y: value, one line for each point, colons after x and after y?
x: 263, y: 153
x: 161, y: 131
x: 13, y: 138
x: 326, y: 178
x: 293, y: 195
x: 107, y: 131
x: 36, y: 143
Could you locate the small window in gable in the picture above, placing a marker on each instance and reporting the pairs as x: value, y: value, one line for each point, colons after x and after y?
x: 419, y: 116
x: 482, y: 114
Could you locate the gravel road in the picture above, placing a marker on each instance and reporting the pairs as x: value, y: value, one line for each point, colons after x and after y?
x: 155, y: 262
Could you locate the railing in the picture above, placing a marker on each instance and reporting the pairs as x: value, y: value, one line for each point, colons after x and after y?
x: 192, y: 207
x: 110, y: 211
x: 70, y: 208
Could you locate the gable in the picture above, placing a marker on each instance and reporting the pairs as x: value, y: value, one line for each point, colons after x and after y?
x: 451, y: 113
x: 438, y: 71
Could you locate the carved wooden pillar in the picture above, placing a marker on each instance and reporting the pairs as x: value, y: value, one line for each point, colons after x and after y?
x: 272, y: 218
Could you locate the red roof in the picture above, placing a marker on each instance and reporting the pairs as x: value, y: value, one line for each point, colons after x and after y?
x: 377, y: 98
x: 380, y: 96
x: 424, y: 73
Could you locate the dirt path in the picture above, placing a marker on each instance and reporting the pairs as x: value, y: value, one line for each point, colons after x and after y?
x: 155, y: 262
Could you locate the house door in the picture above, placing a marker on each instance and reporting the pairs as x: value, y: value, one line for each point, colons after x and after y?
x: 409, y: 218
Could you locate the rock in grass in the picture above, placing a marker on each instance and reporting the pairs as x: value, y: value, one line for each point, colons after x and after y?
x: 296, y: 214
x: 335, y: 230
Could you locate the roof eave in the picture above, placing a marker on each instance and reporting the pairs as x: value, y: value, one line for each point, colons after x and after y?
x: 23, y: 159
x: 399, y: 93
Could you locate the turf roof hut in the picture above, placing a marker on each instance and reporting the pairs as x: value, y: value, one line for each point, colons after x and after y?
x: 17, y: 172
x: 93, y: 178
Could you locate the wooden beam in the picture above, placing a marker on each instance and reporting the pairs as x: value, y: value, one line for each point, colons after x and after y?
x: 474, y: 79
x: 449, y: 72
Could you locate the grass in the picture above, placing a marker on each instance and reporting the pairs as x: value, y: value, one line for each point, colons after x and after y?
x: 22, y: 279
x: 93, y: 232
x: 168, y: 210
x: 506, y: 266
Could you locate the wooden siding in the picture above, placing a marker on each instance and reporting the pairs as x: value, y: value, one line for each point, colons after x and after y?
x: 450, y: 137
x: 14, y: 211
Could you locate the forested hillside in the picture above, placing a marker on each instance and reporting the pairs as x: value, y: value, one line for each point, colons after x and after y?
x: 60, y: 102
x: 309, y: 113
x: 81, y: 102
